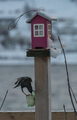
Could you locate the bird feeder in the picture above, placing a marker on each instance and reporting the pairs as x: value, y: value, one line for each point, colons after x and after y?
x: 41, y: 29
x: 41, y: 35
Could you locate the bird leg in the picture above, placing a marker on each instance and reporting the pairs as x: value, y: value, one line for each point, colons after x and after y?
x: 25, y: 93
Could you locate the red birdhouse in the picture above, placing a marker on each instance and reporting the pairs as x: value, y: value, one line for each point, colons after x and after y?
x: 41, y: 29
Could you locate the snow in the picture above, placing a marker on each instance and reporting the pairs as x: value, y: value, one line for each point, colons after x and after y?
x: 9, y: 8
x: 9, y: 54
x: 18, y: 57
x: 71, y: 59
x: 59, y: 9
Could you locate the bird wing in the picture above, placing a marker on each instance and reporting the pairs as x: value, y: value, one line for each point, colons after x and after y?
x: 16, y: 86
x: 27, y: 79
x: 27, y: 84
x: 17, y: 81
x: 23, y: 82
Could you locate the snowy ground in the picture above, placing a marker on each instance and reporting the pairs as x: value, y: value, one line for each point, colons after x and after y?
x: 19, y: 58
x: 60, y: 9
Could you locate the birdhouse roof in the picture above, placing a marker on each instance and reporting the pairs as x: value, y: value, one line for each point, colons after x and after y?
x: 42, y: 14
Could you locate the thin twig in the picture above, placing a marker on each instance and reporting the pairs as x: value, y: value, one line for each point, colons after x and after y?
x: 18, y: 18
x: 4, y: 99
x: 75, y: 115
x: 65, y: 112
x: 73, y: 94
x: 67, y: 77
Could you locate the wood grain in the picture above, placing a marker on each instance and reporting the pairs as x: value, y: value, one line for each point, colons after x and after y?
x: 42, y: 88
x: 31, y: 116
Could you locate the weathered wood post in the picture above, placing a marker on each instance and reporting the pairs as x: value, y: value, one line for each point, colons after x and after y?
x: 42, y: 83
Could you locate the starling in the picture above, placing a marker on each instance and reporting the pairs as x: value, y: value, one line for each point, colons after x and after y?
x: 24, y: 82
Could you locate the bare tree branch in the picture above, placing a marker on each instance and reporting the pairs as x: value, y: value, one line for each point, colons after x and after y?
x: 73, y: 94
x: 67, y: 77
x: 65, y: 112
x: 4, y: 99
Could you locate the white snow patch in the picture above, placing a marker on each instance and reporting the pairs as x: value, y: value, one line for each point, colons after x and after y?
x: 20, y: 58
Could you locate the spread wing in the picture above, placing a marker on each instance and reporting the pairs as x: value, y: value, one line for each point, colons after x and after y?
x: 18, y: 82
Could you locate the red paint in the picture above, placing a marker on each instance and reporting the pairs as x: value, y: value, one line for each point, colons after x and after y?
x: 39, y: 41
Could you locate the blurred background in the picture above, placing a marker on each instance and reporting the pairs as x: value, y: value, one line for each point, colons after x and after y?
x: 14, y: 43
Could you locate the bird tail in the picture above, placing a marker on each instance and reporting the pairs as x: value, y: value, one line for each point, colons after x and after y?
x: 15, y: 86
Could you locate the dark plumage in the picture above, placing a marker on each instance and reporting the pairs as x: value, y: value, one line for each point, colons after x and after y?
x: 24, y: 82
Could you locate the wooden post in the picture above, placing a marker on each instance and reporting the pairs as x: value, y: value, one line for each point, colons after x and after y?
x: 42, y: 88
x: 42, y: 84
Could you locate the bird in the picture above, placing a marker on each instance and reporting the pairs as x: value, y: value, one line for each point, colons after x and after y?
x: 24, y: 82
